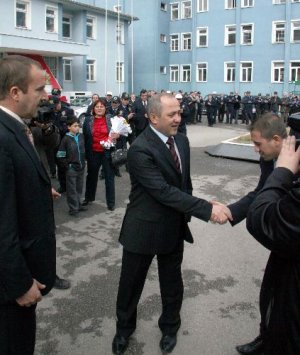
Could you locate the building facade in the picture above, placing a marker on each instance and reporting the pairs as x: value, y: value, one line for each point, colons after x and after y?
x: 82, y: 46
x: 214, y: 45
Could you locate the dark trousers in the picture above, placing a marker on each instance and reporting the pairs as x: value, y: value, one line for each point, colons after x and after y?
x: 74, y: 188
x: 17, y: 330
x: 133, y: 275
x: 94, y: 162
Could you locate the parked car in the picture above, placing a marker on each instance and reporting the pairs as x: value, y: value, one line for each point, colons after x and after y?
x: 80, y: 105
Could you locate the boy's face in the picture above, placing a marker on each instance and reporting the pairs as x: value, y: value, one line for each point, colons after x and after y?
x: 74, y: 128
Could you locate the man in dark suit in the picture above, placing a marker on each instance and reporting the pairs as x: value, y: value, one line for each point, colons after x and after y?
x: 27, y: 237
x: 139, y: 109
x: 273, y: 220
x: 155, y: 223
x: 267, y: 134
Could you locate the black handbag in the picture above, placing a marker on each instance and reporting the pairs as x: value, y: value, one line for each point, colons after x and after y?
x: 119, y: 157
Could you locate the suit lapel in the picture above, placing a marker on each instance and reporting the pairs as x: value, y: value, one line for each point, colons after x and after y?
x: 181, y: 153
x: 18, y: 130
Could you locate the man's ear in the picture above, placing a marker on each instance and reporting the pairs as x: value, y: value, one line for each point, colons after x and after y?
x: 14, y: 93
x: 153, y: 118
x: 277, y: 138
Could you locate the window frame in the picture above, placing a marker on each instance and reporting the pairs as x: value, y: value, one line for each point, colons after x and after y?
x: 241, y: 71
x: 65, y: 16
x: 184, y: 40
x: 172, y: 11
x: 204, y: 69
x: 64, y: 68
x: 243, y: 32
x: 292, y: 31
x: 183, y: 71
x: 27, y: 13
x: 184, y: 7
x: 227, y: 33
x: 198, y: 36
x: 276, y: 30
x: 244, y: 5
x: 88, y: 72
x: 274, y: 69
x: 175, y: 72
x: 202, y: 4
x: 232, y: 71
x: 278, y: 2
x: 172, y: 40
x: 297, y: 78
x: 55, y: 17
x: 120, y: 77
x: 94, y: 27
x: 232, y: 6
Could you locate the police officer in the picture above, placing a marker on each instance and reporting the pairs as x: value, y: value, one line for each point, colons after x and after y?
x: 248, y: 102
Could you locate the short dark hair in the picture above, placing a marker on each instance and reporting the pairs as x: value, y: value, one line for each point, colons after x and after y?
x: 15, y: 71
x: 143, y: 91
x: 269, y: 125
x: 71, y: 120
x: 102, y: 101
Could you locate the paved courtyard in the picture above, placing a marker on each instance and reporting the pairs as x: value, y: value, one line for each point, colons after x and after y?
x: 222, y: 270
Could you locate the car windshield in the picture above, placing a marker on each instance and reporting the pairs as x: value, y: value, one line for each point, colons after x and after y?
x: 80, y: 101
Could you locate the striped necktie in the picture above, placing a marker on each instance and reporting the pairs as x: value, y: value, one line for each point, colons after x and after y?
x: 170, y: 143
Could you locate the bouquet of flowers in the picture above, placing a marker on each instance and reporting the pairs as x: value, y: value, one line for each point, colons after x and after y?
x: 107, y: 144
x: 120, y: 125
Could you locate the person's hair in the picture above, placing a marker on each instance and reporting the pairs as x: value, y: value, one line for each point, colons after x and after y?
x: 71, y: 120
x: 143, y: 91
x: 95, y: 103
x: 154, y: 103
x: 269, y: 125
x: 15, y: 71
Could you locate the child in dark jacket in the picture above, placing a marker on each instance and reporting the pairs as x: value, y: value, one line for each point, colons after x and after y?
x: 71, y: 156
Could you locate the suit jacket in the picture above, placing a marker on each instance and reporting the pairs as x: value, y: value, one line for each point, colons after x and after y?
x: 239, y: 209
x: 161, y: 200
x: 273, y: 220
x: 27, y: 229
x: 139, y: 119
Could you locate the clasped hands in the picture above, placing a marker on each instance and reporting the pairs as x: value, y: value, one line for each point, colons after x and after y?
x: 220, y: 213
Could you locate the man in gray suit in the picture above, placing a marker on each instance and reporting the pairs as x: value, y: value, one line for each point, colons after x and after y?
x: 155, y: 223
x: 27, y: 229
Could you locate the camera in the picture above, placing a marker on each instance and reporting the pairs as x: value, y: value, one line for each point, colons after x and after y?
x: 44, y: 112
x: 294, y: 123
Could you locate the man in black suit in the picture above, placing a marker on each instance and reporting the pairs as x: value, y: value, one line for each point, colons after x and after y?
x: 155, y: 223
x: 139, y: 109
x: 27, y: 253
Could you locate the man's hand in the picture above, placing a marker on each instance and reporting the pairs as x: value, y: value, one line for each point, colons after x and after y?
x: 55, y: 194
x: 288, y: 157
x: 32, y: 296
x: 220, y: 213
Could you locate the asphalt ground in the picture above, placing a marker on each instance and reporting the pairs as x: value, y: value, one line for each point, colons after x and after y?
x: 222, y: 270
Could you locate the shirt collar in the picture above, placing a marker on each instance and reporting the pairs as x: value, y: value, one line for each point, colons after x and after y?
x: 160, y: 135
x: 12, y: 114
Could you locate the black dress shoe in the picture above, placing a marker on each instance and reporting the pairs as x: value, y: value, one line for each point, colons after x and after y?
x: 119, y: 344
x: 82, y: 208
x: 111, y: 208
x: 255, y: 347
x: 168, y: 343
x: 61, y: 284
x: 85, y: 202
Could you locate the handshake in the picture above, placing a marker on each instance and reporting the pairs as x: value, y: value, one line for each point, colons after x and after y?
x: 220, y: 213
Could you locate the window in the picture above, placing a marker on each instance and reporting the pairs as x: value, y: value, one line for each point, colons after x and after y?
x: 246, y: 71
x: 186, y: 41
x: 51, y: 19
x: 90, y: 70
x: 186, y: 73
x: 91, y: 27
x: 120, y: 33
x: 67, y: 69
x: 174, y: 11
x: 117, y: 8
x: 229, y: 72
x: 278, y: 32
x: 174, y: 42
x: 201, y: 72
x: 174, y: 73
x: 277, y: 72
x: 163, y: 69
x: 120, y: 72
x: 202, y: 37
x: 23, y: 14
x: 230, y: 4
x: 230, y: 34
x: 247, y: 3
x: 67, y: 27
x: 295, y: 0
x: 163, y: 38
x: 295, y: 31
x: 52, y: 64
x: 163, y: 6
x: 186, y: 9
x: 247, y: 34
x: 202, y: 5
x: 294, y: 71
x: 277, y: 2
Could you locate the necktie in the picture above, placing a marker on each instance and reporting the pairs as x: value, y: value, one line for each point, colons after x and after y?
x: 29, y: 135
x: 170, y: 143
